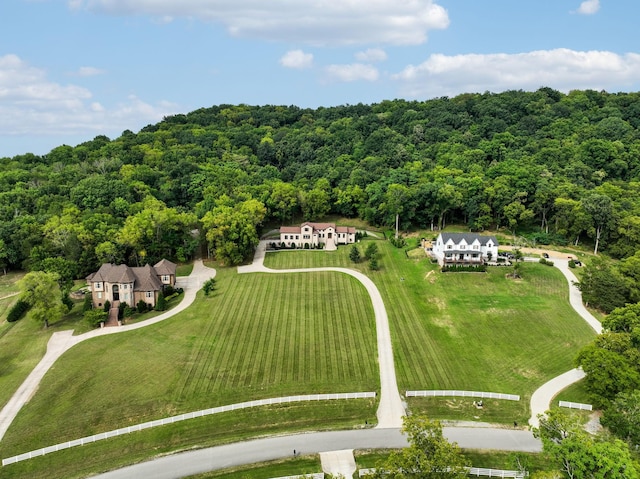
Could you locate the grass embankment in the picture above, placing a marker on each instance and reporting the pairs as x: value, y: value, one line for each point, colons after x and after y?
x: 472, y: 331
x: 257, y: 336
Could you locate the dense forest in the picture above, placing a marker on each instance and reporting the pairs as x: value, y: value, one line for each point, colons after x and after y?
x: 563, y: 167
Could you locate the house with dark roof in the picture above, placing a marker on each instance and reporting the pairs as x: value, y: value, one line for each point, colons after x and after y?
x: 314, y: 234
x: 464, y: 248
x: 122, y: 283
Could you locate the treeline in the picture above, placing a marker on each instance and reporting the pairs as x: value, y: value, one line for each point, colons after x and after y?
x: 565, y: 166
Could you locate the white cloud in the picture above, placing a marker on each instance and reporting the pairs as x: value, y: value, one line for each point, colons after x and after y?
x: 317, y: 22
x: 297, y: 59
x: 561, y: 69
x: 32, y: 104
x: 352, y: 72
x: 89, y: 71
x: 371, y: 55
x: 589, y: 7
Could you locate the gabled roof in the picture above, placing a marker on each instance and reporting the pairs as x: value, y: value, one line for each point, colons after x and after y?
x: 112, y: 273
x: 468, y: 238
x: 320, y: 226
x: 164, y: 266
x: 345, y: 229
x: 146, y: 279
x: 289, y: 229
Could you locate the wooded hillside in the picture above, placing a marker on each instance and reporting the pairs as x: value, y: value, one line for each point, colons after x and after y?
x: 563, y: 166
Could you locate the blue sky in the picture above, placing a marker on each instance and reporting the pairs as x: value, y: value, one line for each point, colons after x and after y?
x: 74, y: 69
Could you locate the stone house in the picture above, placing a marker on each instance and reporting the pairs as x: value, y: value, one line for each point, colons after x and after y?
x: 122, y: 283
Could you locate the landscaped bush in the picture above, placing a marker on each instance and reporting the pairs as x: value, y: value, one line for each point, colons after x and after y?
x: 546, y: 262
x: 88, y: 302
x: 306, y: 246
x: 400, y: 242
x: 168, y: 290
x: 107, y: 306
x: 208, y: 286
x: 456, y: 268
x: 161, y: 303
x: 572, y: 264
x: 18, y: 311
x: 141, y: 306
x: 122, y: 307
x: 95, y: 316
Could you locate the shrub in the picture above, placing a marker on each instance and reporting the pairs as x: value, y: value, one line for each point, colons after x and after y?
x: 107, y: 306
x: 95, y: 316
x: 18, y: 311
x: 373, y: 263
x: 572, y: 264
x: 371, y: 251
x: 208, y: 286
x: 546, y: 262
x: 122, y: 307
x: 128, y: 311
x: 67, y: 301
x: 168, y: 290
x: 141, y: 306
x: 88, y: 302
x: 179, y: 290
x: 457, y: 268
x: 161, y: 304
x: 400, y: 242
x: 306, y: 246
x: 354, y: 254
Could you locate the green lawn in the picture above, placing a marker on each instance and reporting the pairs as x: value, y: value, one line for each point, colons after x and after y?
x: 257, y: 336
x: 474, y: 331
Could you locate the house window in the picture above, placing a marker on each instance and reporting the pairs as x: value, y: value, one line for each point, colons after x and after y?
x: 462, y: 246
x: 126, y: 296
x: 99, y: 295
x: 97, y: 285
x: 306, y: 236
x: 165, y: 279
x: 123, y: 286
x: 149, y: 294
x: 475, y: 246
x: 449, y: 246
x: 286, y: 236
x: 474, y: 255
x: 297, y: 236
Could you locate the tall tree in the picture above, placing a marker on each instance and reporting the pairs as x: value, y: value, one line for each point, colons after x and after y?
x: 600, y: 208
x: 579, y: 455
x: 428, y: 456
x: 40, y: 289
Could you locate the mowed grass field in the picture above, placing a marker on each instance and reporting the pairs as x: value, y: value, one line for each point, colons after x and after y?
x: 257, y: 336
x: 472, y: 331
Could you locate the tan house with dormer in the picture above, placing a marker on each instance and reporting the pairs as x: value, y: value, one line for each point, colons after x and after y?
x: 125, y: 284
x: 315, y: 234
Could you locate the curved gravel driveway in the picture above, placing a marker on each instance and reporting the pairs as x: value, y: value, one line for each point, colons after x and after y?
x: 390, y: 410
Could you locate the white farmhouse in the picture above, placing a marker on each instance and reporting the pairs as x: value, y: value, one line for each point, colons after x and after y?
x: 314, y: 234
x: 464, y: 248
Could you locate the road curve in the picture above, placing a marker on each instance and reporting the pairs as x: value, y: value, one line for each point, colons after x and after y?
x: 272, y: 448
x: 390, y: 410
x: 542, y: 397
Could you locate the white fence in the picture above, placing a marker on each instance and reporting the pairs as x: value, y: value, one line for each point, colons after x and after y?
x: 315, y: 475
x: 471, y: 394
x: 184, y: 417
x: 473, y: 471
x: 576, y: 405
x: 477, y: 471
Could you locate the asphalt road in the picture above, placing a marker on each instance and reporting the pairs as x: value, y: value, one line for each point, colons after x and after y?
x: 259, y: 450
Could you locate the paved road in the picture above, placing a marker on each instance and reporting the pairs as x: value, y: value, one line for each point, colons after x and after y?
x: 61, y: 341
x: 390, y: 410
x: 232, y: 455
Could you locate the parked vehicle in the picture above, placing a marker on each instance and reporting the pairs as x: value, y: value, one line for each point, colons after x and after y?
x: 545, y: 255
